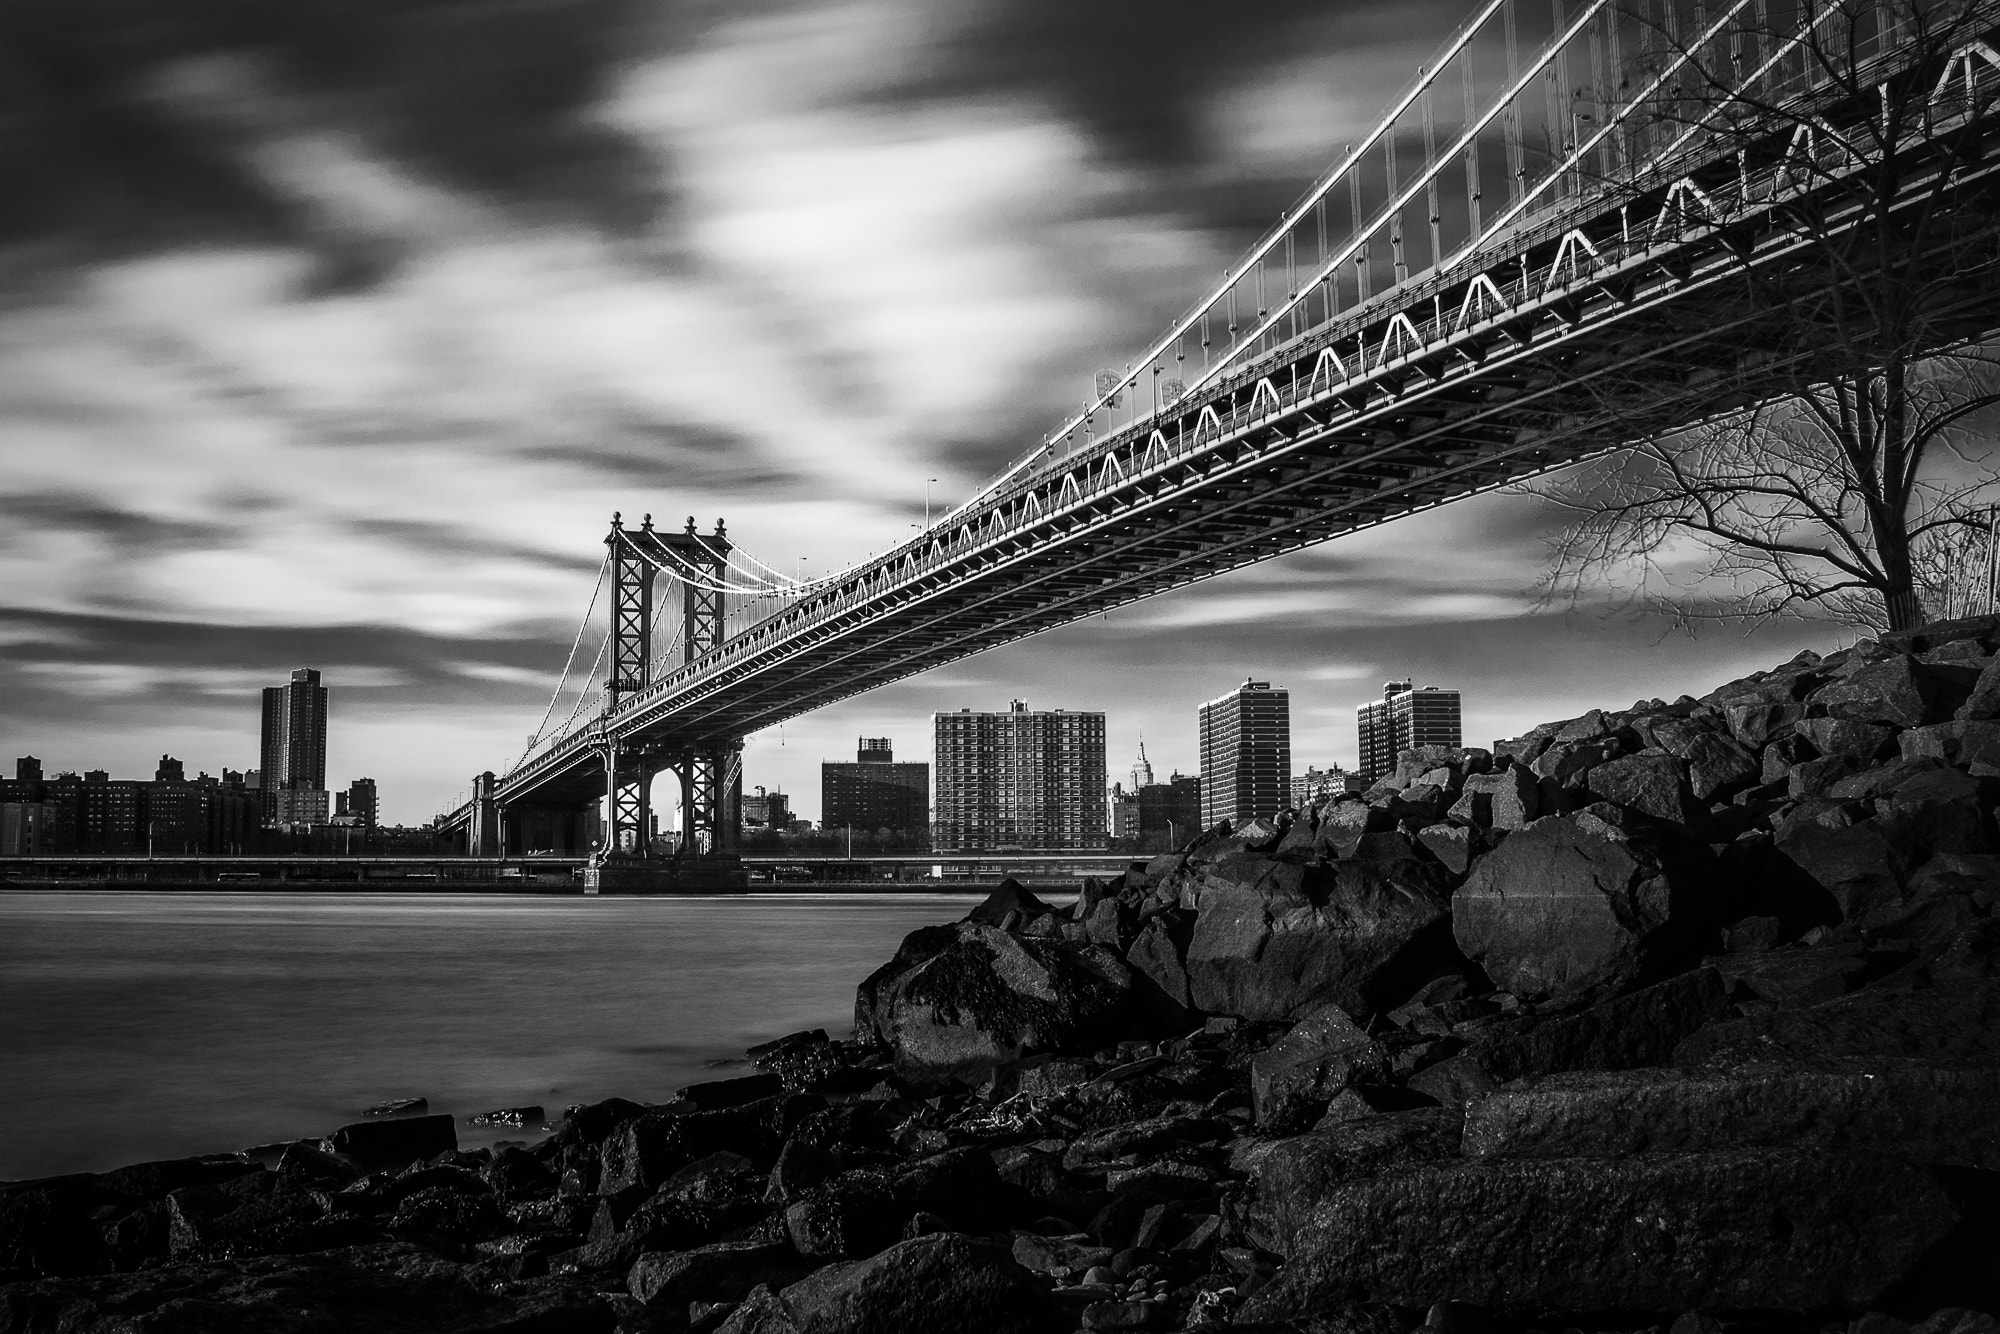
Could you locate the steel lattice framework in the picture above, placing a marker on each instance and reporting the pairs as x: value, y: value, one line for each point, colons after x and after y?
x: 1322, y: 388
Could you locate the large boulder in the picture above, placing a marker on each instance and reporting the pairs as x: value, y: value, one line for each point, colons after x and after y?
x: 1570, y: 903
x: 1953, y: 1022
x: 1275, y: 946
x: 986, y: 998
x: 940, y: 1284
x: 1913, y: 1110
x: 1746, y: 1229
x: 1292, y: 1175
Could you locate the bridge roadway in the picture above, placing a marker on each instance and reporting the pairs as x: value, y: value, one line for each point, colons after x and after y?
x: 1605, y: 321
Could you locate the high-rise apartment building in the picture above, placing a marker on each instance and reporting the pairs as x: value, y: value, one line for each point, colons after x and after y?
x: 1246, y: 753
x: 876, y: 793
x: 363, y: 803
x: 1019, y: 779
x: 1405, y: 717
x: 294, y: 750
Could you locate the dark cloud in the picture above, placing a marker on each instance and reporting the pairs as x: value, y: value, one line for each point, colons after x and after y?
x: 492, y: 95
x: 127, y: 531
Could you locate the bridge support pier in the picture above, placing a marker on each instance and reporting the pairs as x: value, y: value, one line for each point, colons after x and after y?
x: 483, y: 837
x: 711, y: 779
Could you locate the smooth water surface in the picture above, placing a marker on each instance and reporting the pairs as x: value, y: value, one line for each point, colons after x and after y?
x: 154, y: 1025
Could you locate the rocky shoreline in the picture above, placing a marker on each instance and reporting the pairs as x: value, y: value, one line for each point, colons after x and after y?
x: 1680, y: 1017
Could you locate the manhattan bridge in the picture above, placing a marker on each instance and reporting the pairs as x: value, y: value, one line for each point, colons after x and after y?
x: 1536, y: 255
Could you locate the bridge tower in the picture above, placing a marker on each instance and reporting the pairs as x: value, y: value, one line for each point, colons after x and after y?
x: 710, y: 772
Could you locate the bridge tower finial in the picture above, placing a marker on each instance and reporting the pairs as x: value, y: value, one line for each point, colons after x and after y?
x: 721, y: 529
x: 615, y: 517
x: 690, y: 526
x: 648, y: 525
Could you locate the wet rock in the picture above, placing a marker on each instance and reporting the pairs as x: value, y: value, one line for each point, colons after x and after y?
x: 517, y: 1117
x: 985, y: 998
x: 1059, y: 1257
x: 1274, y: 947
x: 514, y: 1174
x: 716, y: 1094
x: 1569, y: 903
x: 1740, y: 1229
x: 1453, y: 845
x: 943, y: 1284
x: 1913, y: 1110
x: 851, y: 1215
x: 399, y: 1107
x: 392, y: 1143
x: 1159, y: 975
x: 1292, y: 1080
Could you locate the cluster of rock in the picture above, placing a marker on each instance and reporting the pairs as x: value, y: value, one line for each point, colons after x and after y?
x: 1687, y: 1015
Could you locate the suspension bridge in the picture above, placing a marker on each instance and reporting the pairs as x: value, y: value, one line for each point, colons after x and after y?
x: 1537, y: 254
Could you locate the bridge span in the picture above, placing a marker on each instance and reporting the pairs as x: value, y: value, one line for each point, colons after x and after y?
x: 1537, y: 255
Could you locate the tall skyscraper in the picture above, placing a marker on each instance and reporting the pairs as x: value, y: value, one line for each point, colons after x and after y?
x: 1142, y: 768
x: 1019, y: 779
x: 1405, y: 717
x: 876, y: 792
x: 294, y: 751
x: 1246, y: 753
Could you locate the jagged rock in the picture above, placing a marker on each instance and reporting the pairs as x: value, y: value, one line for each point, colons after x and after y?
x: 391, y: 1143
x: 1009, y: 896
x: 985, y: 998
x: 52, y: 1226
x: 1859, y: 866
x: 1652, y: 784
x: 1291, y: 1175
x: 1896, y: 691
x: 1647, y: 1027
x: 1845, y: 737
x: 1795, y: 976
x: 853, y: 1214
x: 1159, y: 976
x: 1452, y: 844
x: 1757, y: 725
x: 1941, y: 900
x: 1276, y: 946
x: 1984, y: 699
x: 399, y: 1107
x: 666, y: 1281
x: 385, y: 1289
x: 1913, y: 1110
x: 941, y: 1284
x: 256, y: 1215
x: 1342, y: 825
x: 716, y: 1094
x: 1292, y: 1080
x: 1739, y: 1229
x: 1569, y: 903
x: 1508, y: 799
x: 1953, y: 1022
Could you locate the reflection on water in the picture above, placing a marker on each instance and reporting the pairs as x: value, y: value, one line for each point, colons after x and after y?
x: 137, y: 1026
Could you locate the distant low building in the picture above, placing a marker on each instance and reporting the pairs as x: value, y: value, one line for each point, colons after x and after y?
x: 95, y: 813
x: 1169, y: 813
x: 876, y: 793
x: 1318, y: 784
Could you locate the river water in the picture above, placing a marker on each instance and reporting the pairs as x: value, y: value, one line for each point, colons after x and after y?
x: 137, y: 1026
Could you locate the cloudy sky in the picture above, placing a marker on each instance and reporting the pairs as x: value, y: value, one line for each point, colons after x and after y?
x: 332, y: 332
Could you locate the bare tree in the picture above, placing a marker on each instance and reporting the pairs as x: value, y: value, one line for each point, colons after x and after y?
x: 1845, y: 493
